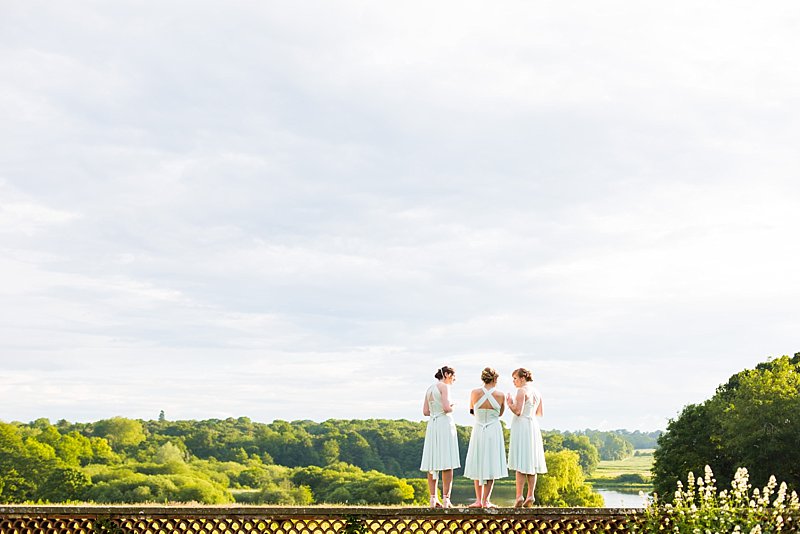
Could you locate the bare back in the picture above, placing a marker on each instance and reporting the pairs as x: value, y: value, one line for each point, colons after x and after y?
x: 477, y: 394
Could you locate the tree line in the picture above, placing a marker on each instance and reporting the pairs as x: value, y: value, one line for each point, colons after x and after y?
x: 752, y: 421
x: 236, y: 459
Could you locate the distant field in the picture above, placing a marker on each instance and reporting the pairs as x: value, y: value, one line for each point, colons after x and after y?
x: 635, y: 464
x: 608, y: 470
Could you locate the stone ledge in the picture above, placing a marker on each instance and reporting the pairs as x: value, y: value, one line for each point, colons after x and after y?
x: 194, y: 511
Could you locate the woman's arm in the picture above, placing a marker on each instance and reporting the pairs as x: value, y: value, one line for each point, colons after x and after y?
x: 426, y: 409
x: 445, y: 391
x: 518, y: 403
x: 539, y: 410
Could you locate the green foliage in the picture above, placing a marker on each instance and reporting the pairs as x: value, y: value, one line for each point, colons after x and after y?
x: 120, y: 432
x: 122, y: 460
x: 25, y: 465
x: 700, y: 508
x: 64, y: 484
x: 615, y: 447
x: 347, y: 484
x: 588, y: 455
x: 639, y: 439
x: 631, y: 478
x: 564, y: 483
x: 686, y: 446
x: 175, y: 482
x: 168, y: 453
x: 751, y: 420
x: 611, y: 445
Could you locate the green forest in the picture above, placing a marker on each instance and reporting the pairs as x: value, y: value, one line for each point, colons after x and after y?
x: 214, y: 461
x: 752, y: 421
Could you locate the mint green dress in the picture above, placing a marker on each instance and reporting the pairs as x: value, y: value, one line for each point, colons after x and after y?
x: 486, y: 456
x: 526, y: 449
x: 440, y: 450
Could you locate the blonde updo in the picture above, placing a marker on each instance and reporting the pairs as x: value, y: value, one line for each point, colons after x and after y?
x: 489, y: 375
x: 523, y: 373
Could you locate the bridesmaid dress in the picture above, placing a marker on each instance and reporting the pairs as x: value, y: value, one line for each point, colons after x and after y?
x: 486, y: 456
x: 526, y: 449
x: 440, y: 451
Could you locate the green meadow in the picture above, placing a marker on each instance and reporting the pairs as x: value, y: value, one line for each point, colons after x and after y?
x: 631, y: 473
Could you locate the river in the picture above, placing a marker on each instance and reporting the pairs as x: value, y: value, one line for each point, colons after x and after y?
x: 503, y: 495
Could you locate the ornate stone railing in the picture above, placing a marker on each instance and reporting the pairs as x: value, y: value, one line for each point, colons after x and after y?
x: 311, y: 520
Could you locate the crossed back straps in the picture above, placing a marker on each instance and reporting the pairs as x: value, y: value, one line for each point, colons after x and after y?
x: 487, y: 396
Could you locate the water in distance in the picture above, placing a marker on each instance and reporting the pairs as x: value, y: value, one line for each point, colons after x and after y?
x: 503, y: 495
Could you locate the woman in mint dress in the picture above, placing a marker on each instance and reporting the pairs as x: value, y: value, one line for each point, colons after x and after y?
x: 486, y: 456
x: 440, y: 451
x: 526, y: 449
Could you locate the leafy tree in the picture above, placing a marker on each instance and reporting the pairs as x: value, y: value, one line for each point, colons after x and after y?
x: 64, y: 484
x: 564, y: 483
x: 169, y: 453
x: 343, y: 483
x: 24, y: 465
x: 639, y: 439
x: 330, y: 451
x: 686, y: 446
x: 751, y: 421
x: 614, y: 447
x: 588, y: 455
x: 120, y: 432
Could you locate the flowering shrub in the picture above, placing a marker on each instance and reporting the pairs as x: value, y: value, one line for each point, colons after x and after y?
x: 699, y: 508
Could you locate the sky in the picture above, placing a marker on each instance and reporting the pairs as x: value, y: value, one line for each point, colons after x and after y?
x: 300, y: 210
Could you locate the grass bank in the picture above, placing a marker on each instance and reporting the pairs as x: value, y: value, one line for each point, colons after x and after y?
x: 629, y: 475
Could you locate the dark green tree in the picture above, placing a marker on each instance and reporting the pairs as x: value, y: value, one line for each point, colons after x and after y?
x: 752, y: 421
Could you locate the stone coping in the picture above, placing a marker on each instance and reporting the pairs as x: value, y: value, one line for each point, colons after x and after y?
x: 195, y: 511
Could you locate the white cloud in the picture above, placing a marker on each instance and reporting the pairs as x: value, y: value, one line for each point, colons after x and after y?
x: 341, y: 197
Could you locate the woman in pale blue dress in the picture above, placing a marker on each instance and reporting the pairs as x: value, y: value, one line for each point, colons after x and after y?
x: 486, y: 456
x: 440, y: 451
x: 525, y: 450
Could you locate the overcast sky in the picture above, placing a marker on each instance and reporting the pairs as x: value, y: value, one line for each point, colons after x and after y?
x: 299, y: 210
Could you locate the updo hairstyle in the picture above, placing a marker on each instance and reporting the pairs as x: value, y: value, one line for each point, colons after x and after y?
x: 524, y: 373
x: 489, y: 375
x: 443, y: 371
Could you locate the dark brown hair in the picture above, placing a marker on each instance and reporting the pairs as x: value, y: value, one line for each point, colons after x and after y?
x: 441, y: 372
x: 523, y: 373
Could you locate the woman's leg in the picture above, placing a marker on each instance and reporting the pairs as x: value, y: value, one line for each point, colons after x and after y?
x: 487, y: 493
x: 478, y: 496
x: 431, y: 484
x: 432, y: 489
x: 520, y: 486
x: 531, y: 487
x: 447, y: 485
